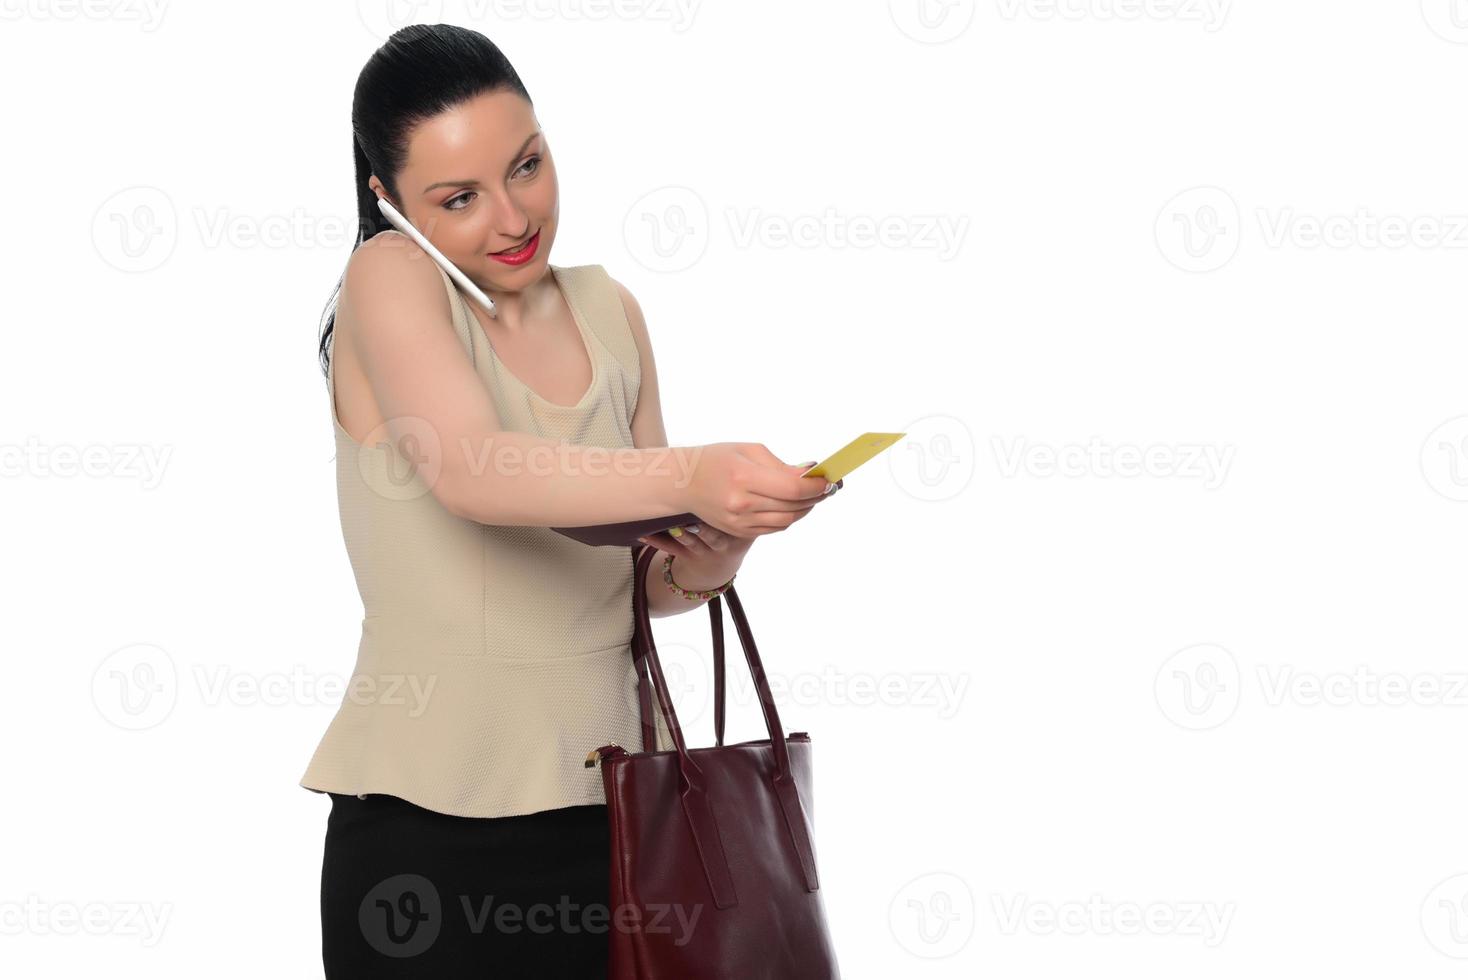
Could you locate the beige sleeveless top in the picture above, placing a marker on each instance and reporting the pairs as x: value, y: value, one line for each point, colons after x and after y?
x: 492, y: 658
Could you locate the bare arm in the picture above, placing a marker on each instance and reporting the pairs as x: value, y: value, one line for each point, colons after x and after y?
x: 424, y: 384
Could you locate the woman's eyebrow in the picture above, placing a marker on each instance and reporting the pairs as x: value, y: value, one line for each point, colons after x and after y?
x: 474, y: 183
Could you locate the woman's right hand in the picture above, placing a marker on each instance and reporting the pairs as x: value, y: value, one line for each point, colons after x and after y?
x: 743, y: 489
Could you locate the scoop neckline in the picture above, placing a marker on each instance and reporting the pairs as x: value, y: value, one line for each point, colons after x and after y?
x: 557, y: 273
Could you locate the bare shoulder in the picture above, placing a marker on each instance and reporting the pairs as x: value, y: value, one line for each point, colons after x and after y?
x: 388, y: 270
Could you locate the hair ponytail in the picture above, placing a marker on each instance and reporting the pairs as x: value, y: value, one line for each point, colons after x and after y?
x: 369, y: 217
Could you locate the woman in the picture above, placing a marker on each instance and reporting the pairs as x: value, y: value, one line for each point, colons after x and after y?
x: 465, y: 836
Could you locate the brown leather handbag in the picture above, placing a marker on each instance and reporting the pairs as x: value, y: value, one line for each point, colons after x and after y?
x: 713, y: 871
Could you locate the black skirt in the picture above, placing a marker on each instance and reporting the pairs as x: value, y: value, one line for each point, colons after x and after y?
x: 410, y: 892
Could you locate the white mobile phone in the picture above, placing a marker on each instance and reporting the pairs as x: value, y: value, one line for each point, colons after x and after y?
x: 402, y: 224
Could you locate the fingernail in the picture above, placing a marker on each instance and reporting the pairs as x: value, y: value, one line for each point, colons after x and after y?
x: 806, y: 466
x: 693, y: 528
x: 676, y: 532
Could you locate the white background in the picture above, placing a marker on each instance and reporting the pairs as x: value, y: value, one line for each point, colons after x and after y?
x: 1070, y: 718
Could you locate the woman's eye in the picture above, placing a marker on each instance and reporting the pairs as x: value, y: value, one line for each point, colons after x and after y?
x: 461, y: 202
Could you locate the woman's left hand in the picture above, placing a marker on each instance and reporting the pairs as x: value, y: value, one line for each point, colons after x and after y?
x: 705, y: 544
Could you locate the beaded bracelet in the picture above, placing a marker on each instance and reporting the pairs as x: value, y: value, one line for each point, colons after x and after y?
x: 691, y: 596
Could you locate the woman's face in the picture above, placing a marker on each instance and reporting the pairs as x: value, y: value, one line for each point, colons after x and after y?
x: 478, y: 180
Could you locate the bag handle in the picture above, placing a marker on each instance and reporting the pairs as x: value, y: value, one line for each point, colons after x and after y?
x: 639, y: 661
x: 696, y: 803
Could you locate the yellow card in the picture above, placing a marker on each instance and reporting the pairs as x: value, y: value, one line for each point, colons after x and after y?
x: 835, y: 466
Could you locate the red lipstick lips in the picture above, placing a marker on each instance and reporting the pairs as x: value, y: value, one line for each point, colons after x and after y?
x: 525, y: 254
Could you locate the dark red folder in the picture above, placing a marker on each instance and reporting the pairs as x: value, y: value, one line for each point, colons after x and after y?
x: 625, y: 533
